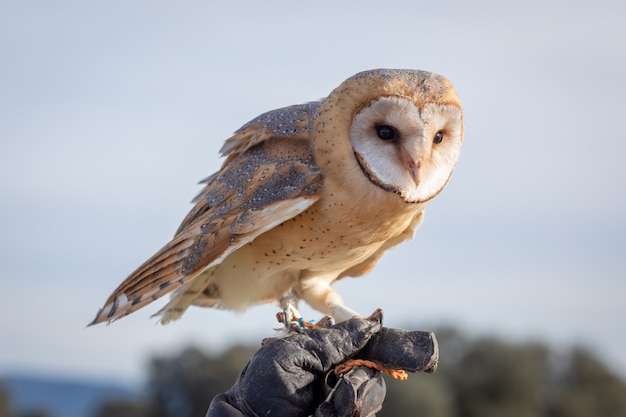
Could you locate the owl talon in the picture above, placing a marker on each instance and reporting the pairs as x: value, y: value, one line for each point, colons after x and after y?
x: 288, y: 316
x: 326, y: 321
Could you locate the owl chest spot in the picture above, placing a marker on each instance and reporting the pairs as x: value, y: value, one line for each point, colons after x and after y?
x: 311, y: 244
x: 314, y: 243
x: 312, y: 240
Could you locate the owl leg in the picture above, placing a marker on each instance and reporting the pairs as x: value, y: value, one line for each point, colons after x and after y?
x: 290, y: 313
x: 343, y: 313
x: 289, y: 304
x: 321, y: 297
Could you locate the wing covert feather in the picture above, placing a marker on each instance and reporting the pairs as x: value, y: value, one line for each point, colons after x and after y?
x: 286, y: 122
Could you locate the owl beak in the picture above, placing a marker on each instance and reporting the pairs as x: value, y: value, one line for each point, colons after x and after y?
x: 413, y: 167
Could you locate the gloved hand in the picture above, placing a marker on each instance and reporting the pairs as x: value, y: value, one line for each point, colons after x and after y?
x: 286, y: 377
x: 292, y: 376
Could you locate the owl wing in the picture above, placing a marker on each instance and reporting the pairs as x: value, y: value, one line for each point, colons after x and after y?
x: 269, y: 176
x: 288, y: 122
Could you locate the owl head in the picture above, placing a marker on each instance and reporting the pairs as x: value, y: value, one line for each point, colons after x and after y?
x: 405, y: 129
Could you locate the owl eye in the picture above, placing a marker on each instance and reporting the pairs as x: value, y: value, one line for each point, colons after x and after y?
x: 438, y: 137
x: 386, y: 132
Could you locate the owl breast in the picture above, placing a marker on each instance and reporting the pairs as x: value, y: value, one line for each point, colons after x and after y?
x: 321, y: 242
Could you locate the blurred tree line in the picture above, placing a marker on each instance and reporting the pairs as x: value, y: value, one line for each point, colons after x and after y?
x: 5, y: 404
x: 484, y: 377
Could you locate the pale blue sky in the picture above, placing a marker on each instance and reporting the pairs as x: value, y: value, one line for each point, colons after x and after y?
x: 111, y: 111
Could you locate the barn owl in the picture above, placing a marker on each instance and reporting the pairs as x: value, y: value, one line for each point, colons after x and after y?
x: 307, y: 195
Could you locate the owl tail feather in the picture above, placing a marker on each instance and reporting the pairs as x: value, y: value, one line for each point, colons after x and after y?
x: 158, y: 276
x: 182, y: 298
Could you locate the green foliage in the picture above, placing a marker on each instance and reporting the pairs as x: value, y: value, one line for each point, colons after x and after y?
x: 496, y: 379
x: 184, y: 385
x: 125, y: 409
x: 476, y: 378
x: 5, y: 403
x: 589, y: 389
x: 429, y: 395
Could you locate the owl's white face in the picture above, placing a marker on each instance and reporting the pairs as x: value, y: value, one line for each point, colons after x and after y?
x: 407, y: 151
